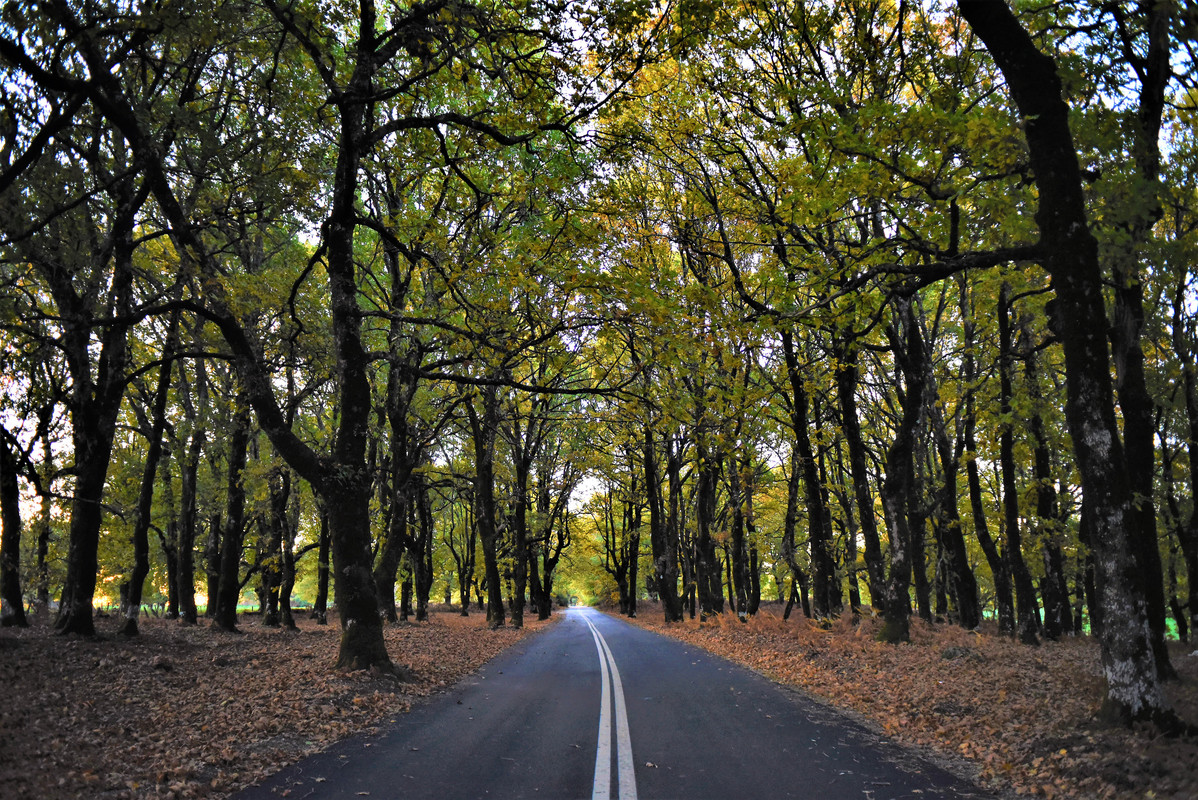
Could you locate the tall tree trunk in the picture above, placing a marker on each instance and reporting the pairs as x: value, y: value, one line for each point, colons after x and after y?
x: 739, y: 555
x: 1136, y: 405
x: 1000, y: 570
x: 484, y: 426
x: 520, y: 544
x: 963, y: 584
x: 1053, y: 588
x: 423, y: 556
x: 1133, y: 685
x: 847, y: 375
x: 279, y: 488
x: 634, y: 552
x: 188, y: 510
x: 665, y: 556
x: 168, y: 539
x: 707, y: 568
x: 212, y: 562
x: 917, y: 521
x: 1187, y: 530
x: 44, y: 531
x: 899, y: 483
x: 789, y: 525
x: 94, y: 407
x: 232, y: 537
x: 12, y: 600
x: 287, y: 578
x: 145, y: 500
x: 391, y: 550
x: 320, y: 607
x: 1026, y: 608
x: 825, y: 586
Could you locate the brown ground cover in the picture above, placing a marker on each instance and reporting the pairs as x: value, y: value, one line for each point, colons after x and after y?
x: 1016, y: 718
x: 193, y: 712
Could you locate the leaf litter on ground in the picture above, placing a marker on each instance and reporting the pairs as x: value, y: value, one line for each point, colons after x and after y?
x: 193, y: 712
x: 1014, y: 718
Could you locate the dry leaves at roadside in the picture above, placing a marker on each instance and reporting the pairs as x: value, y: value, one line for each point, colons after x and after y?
x: 196, y: 713
x: 1016, y: 717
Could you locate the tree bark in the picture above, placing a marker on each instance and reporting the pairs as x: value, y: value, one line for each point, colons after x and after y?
x: 145, y: 500
x: 899, y: 483
x: 1124, y: 254
x: 233, y: 536
x: 1133, y: 687
x: 320, y: 607
x: 963, y: 584
x: 484, y: 425
x: 1026, y: 608
x: 825, y: 585
x: 1000, y: 570
x: 665, y: 556
x: 12, y: 600
x: 94, y: 410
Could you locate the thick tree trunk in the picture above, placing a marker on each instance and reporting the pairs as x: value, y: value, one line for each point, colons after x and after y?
x: 1124, y: 254
x: 1133, y: 687
x: 94, y: 410
x: 899, y: 483
x: 362, y: 645
x: 93, y: 449
x: 12, y: 600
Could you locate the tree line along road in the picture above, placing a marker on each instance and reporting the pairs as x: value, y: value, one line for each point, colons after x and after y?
x: 596, y: 708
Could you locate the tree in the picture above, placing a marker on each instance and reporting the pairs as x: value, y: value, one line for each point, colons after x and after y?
x: 1133, y: 690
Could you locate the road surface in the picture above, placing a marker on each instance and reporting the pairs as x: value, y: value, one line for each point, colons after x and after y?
x: 594, y: 707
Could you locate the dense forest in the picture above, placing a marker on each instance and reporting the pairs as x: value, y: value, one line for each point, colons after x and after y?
x: 864, y: 306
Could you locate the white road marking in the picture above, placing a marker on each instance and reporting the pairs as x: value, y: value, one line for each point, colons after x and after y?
x: 626, y: 768
x: 601, y: 790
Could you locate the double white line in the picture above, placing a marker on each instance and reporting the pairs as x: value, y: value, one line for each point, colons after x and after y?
x: 612, y: 687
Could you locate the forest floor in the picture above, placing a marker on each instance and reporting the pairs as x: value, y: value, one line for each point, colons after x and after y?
x: 196, y: 713
x: 1012, y: 717
x: 193, y: 712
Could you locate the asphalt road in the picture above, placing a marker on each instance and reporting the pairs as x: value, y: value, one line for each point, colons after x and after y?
x: 596, y: 708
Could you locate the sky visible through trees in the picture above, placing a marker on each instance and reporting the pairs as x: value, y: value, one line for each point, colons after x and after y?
x: 861, y: 306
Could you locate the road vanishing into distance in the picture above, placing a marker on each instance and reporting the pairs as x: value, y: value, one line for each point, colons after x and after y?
x: 594, y: 707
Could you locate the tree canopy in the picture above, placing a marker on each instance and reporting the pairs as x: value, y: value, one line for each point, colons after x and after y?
x: 866, y: 305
